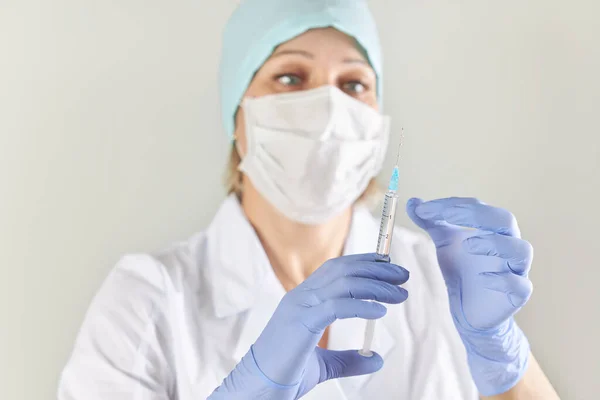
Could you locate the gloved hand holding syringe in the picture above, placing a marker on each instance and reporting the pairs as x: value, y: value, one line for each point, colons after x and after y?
x: 286, y: 361
x: 384, y: 241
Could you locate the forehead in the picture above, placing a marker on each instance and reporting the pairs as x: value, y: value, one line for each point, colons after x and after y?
x: 324, y: 42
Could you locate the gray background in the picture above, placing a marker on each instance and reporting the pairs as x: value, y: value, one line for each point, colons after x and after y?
x: 110, y: 142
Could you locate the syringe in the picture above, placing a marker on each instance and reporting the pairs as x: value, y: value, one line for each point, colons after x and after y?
x: 384, y: 242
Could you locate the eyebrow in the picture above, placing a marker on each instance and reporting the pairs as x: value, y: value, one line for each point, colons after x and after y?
x: 356, y: 61
x: 311, y: 56
x: 296, y: 52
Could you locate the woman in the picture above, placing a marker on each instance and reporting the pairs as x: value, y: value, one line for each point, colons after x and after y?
x: 267, y: 301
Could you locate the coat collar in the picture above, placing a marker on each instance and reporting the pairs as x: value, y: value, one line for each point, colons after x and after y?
x: 242, y: 280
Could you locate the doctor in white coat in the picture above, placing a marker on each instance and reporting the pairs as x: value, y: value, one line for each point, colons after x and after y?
x: 270, y: 301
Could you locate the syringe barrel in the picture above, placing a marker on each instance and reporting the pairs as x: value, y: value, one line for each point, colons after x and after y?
x: 386, y: 226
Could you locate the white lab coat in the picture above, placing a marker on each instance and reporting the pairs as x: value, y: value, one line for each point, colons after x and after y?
x: 173, y: 325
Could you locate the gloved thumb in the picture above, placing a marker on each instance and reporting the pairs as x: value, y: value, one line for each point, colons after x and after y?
x: 411, y: 207
x: 339, y: 364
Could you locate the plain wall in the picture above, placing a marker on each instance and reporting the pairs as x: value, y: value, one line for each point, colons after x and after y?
x: 110, y: 142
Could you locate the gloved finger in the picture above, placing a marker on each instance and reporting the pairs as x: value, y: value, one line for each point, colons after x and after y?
x: 359, y: 257
x: 324, y: 314
x: 381, y: 271
x: 411, y: 207
x: 518, y: 289
x: 364, y: 289
x: 334, y: 263
x: 335, y: 269
x: 435, y: 228
x: 484, y: 217
x: 518, y: 253
x: 340, y: 364
x: 432, y: 210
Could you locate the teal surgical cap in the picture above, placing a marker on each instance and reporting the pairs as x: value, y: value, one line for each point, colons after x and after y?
x: 257, y: 27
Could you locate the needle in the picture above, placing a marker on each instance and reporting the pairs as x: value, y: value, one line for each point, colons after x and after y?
x: 400, y: 146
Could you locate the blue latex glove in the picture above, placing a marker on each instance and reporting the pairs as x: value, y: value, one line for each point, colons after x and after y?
x: 285, y: 362
x: 485, y: 269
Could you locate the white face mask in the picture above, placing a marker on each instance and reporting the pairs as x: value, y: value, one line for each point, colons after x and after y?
x: 312, y: 153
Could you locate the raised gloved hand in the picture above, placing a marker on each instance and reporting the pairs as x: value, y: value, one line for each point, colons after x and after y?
x: 485, y: 270
x: 285, y: 362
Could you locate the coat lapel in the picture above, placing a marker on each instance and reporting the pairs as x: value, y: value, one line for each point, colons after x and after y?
x: 255, y: 319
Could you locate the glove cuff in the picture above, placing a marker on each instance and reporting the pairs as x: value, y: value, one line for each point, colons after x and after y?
x: 247, y: 381
x: 497, y: 359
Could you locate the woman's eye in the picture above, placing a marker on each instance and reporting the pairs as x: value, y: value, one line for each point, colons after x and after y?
x: 289, y: 80
x: 355, y: 87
